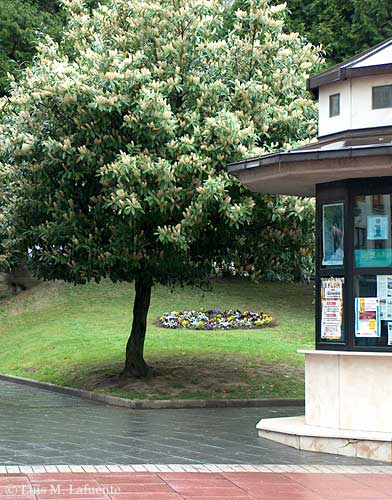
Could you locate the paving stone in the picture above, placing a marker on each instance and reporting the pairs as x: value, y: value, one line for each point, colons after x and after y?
x: 38, y: 428
x: 199, y: 486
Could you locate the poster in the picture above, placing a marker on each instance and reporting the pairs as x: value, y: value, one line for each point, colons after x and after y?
x: 332, y: 288
x: 384, y: 293
x: 331, y: 308
x: 385, y: 309
x: 384, y: 286
x: 377, y: 227
x: 333, y: 234
x: 331, y: 322
x: 367, y: 317
x: 390, y: 333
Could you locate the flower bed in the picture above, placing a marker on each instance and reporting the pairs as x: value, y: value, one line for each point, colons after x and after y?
x: 215, y: 320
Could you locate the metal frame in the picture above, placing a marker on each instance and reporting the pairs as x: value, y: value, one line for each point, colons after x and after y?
x: 331, y: 102
x: 344, y: 191
x: 374, y: 89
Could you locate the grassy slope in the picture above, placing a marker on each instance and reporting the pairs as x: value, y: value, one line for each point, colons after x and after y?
x: 76, y: 336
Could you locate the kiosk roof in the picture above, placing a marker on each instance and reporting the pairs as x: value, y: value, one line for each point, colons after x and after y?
x: 346, y: 155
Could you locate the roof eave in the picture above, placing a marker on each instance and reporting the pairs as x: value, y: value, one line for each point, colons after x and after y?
x: 346, y: 69
x: 311, y: 155
x: 315, y: 82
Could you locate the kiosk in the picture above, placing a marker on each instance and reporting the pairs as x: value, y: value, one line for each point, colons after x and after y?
x: 348, y: 377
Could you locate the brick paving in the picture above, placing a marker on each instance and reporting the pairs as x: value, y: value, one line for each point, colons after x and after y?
x: 196, y: 486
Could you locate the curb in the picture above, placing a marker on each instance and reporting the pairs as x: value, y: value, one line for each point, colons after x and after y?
x: 146, y: 404
x: 195, y: 469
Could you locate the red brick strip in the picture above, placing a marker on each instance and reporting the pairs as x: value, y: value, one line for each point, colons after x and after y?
x: 195, y: 486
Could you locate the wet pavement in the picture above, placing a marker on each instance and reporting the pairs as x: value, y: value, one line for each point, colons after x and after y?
x: 38, y: 427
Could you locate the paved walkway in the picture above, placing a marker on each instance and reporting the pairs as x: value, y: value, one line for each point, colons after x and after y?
x: 46, y: 438
x: 38, y: 427
x: 188, y: 486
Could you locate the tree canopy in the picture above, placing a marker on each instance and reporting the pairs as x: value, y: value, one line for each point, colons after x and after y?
x: 114, y: 145
x: 21, y: 25
x: 343, y: 28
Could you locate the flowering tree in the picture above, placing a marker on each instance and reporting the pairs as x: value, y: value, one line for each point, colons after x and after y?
x: 115, y: 143
x: 278, y: 243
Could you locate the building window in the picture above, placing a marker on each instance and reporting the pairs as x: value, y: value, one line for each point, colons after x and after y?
x: 334, y: 105
x: 382, y: 97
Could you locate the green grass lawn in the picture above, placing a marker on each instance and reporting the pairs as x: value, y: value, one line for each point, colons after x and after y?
x: 76, y: 336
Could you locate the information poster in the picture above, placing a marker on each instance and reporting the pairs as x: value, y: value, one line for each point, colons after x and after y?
x: 333, y: 234
x: 384, y: 286
x: 367, y: 317
x: 386, y: 309
x: 331, y: 308
x: 377, y: 227
x: 390, y: 333
x: 384, y: 293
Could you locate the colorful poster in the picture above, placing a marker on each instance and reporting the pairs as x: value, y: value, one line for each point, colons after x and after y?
x: 331, y: 308
x: 367, y: 317
x: 377, y: 227
x: 333, y: 234
x: 390, y: 333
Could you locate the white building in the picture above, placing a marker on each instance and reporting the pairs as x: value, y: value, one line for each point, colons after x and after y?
x: 356, y: 95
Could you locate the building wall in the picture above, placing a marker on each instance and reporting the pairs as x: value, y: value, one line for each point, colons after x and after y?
x: 355, y: 105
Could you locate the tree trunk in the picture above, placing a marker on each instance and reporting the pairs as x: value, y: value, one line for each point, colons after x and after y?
x: 135, y: 366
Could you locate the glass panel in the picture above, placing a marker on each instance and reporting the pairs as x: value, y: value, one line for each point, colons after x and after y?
x: 382, y: 97
x: 372, y: 230
x: 333, y: 235
x: 334, y: 105
x: 373, y: 310
x: 332, y: 324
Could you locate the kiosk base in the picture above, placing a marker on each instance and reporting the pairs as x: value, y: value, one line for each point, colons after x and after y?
x: 294, y: 432
x: 348, y: 406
